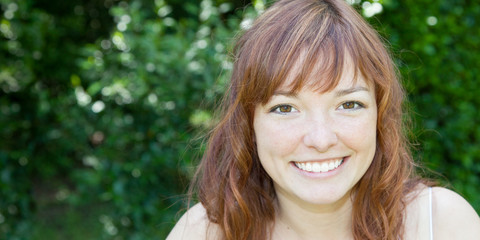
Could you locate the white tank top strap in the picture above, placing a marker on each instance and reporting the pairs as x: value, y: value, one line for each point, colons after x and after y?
x: 430, y: 211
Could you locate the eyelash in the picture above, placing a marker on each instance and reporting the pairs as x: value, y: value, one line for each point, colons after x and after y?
x: 356, y: 105
x: 276, y: 108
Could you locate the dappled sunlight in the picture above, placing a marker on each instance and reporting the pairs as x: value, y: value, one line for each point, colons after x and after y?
x: 371, y: 9
x: 432, y: 20
x: 103, y: 104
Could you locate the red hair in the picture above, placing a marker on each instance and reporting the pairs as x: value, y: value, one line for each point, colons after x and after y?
x: 236, y: 192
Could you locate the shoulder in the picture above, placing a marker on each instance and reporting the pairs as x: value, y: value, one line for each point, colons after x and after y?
x: 453, y: 216
x: 193, y: 225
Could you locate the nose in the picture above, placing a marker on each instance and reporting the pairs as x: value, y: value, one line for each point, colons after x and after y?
x: 320, y: 134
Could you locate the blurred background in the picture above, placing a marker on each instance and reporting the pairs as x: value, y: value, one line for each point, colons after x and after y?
x: 103, y: 104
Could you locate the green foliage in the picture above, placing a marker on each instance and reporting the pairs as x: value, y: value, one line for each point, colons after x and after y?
x: 100, y: 101
x: 435, y: 42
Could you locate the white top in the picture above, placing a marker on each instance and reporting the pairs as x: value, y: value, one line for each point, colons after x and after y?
x: 431, y: 212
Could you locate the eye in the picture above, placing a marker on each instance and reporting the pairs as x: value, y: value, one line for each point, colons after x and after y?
x: 283, y: 109
x: 350, y: 105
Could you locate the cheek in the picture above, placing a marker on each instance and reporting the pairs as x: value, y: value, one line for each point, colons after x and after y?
x: 275, y: 139
x: 359, y: 134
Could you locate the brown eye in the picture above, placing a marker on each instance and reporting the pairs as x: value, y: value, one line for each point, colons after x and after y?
x: 351, y: 105
x: 285, y: 108
x: 348, y: 105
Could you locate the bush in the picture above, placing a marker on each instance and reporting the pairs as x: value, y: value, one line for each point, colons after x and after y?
x: 433, y: 43
x: 100, y: 101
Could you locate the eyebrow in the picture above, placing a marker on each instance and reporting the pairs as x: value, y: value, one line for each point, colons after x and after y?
x: 285, y: 93
x: 347, y: 91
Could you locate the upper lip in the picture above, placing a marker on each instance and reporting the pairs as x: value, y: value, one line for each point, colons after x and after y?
x: 321, y: 159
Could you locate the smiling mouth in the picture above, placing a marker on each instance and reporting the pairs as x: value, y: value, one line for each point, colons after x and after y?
x: 319, y: 167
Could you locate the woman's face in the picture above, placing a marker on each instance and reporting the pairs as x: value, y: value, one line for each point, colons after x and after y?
x: 316, y: 146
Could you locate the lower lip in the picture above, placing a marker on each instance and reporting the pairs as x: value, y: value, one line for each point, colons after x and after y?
x: 321, y: 174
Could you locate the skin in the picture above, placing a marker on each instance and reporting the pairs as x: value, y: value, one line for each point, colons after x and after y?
x: 453, y: 218
x: 308, y: 127
x: 314, y: 126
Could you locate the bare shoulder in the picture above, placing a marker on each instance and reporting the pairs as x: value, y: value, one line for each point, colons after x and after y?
x: 417, y: 213
x: 193, y: 225
x: 453, y: 216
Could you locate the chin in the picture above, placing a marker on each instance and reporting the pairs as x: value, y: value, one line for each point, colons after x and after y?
x: 322, y: 197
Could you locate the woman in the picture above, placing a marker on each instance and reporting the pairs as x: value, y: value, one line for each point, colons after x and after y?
x: 311, y: 142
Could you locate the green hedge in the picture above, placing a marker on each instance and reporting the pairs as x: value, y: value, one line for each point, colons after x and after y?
x: 102, y: 102
x: 435, y: 44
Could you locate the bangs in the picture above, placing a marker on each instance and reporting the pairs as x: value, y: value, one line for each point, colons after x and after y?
x: 309, y: 56
x: 319, y: 66
x: 304, y: 45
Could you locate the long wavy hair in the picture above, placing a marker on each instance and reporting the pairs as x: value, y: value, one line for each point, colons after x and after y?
x: 319, y: 36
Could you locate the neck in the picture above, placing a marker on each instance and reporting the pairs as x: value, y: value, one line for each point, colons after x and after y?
x: 312, y: 221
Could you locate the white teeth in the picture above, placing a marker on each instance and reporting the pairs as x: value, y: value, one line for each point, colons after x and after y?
x: 308, y: 167
x: 324, y: 167
x: 319, y: 167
